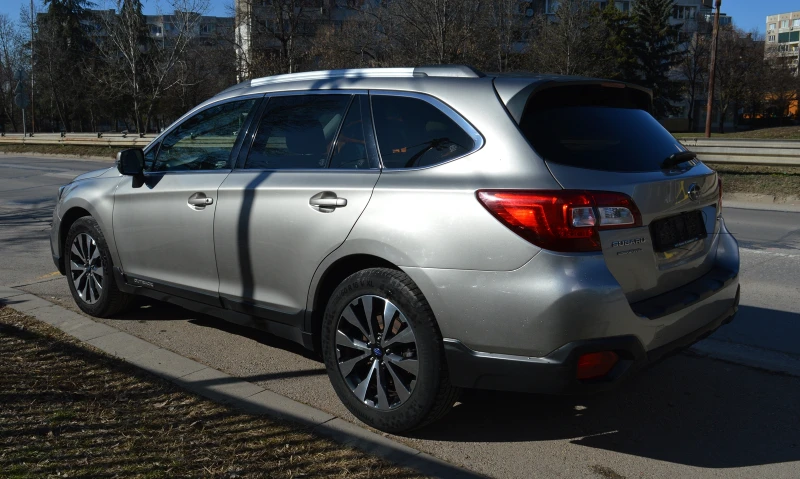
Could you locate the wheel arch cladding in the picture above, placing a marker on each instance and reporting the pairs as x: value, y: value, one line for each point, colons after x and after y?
x: 71, y: 216
x: 330, y: 279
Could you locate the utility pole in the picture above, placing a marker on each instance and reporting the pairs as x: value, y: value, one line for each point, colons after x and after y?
x: 712, y: 69
x: 33, y: 122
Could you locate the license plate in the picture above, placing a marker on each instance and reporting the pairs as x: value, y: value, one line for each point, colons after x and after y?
x: 676, y: 231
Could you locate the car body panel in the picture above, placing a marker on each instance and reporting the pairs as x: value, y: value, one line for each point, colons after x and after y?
x: 554, y: 299
x: 641, y: 271
x: 271, y: 240
x: 160, y: 237
x: 94, y: 195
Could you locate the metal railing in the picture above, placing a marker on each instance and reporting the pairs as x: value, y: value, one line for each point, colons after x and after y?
x: 745, y: 152
x: 726, y: 151
x: 112, y: 140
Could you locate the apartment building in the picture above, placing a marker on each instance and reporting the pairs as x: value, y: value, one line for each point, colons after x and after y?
x: 783, y: 38
x: 165, y: 26
x: 162, y: 27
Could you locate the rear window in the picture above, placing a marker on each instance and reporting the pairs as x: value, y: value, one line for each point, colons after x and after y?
x: 596, y: 128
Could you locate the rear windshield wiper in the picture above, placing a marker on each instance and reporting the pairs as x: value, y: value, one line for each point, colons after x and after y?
x: 677, y: 159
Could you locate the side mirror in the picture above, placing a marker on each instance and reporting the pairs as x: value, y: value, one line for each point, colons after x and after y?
x: 130, y: 162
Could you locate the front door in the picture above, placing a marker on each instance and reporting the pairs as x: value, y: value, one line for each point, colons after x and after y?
x: 163, y: 224
x: 308, y: 176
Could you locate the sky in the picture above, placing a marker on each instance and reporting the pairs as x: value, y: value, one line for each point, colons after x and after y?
x: 747, y: 14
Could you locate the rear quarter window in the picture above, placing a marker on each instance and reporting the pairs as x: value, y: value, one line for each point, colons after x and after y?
x: 597, y: 128
x: 414, y: 133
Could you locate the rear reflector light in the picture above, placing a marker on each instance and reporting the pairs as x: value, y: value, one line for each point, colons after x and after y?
x: 561, y: 220
x: 596, y: 365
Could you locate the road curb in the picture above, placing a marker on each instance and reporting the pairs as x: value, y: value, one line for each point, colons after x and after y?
x: 224, y: 388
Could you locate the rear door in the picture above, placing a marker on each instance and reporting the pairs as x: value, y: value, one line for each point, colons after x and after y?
x: 602, y: 137
x: 293, y: 199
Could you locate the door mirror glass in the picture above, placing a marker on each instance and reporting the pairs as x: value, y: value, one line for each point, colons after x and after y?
x: 130, y: 162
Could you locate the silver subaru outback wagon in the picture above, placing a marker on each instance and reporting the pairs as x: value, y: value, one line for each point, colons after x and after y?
x: 424, y: 229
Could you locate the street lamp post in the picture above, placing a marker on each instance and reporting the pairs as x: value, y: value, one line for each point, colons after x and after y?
x: 712, y: 68
x: 33, y: 118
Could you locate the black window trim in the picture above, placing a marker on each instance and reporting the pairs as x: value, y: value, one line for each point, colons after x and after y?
x: 477, y: 138
x: 369, y: 133
x: 237, y: 145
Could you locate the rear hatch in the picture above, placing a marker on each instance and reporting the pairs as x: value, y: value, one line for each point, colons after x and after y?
x: 600, y: 136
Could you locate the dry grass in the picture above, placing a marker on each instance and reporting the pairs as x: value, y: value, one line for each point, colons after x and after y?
x: 68, y: 411
x: 72, y: 150
x: 777, y: 133
x: 783, y: 181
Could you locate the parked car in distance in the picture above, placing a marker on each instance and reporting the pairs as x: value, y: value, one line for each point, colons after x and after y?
x: 424, y: 229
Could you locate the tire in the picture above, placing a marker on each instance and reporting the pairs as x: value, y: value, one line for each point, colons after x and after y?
x: 351, y: 352
x: 93, y: 287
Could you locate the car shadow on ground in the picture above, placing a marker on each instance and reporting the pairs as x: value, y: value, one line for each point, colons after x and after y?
x: 686, y: 410
x: 147, y: 309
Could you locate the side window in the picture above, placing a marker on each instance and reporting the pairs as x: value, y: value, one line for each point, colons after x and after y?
x: 350, y: 150
x: 204, y: 141
x: 297, y: 131
x: 150, y: 157
x: 412, y: 132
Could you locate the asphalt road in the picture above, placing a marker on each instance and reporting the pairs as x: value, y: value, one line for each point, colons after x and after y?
x: 688, y: 416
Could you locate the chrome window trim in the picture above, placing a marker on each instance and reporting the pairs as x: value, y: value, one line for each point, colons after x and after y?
x: 157, y: 140
x: 441, y: 106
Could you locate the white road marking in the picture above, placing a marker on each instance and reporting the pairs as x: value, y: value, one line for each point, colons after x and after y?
x: 771, y: 252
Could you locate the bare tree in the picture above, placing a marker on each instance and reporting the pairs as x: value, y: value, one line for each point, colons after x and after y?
x: 356, y: 43
x: 737, y: 52
x: 509, y: 27
x: 571, y: 42
x: 142, y: 67
x: 271, y: 34
x: 694, y: 68
x: 435, y: 31
x: 11, y: 60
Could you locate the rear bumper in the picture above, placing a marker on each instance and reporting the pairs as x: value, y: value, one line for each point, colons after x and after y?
x: 556, y: 372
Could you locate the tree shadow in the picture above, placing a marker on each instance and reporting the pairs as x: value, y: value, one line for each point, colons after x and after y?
x: 147, y: 309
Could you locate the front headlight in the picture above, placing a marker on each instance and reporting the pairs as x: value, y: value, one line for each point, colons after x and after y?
x: 61, y: 191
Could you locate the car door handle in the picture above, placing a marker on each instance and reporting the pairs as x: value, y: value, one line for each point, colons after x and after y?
x: 328, y: 202
x: 200, y: 200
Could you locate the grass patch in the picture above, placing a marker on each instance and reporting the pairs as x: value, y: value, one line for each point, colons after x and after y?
x: 72, y: 150
x: 70, y: 411
x: 781, y: 181
x: 777, y: 133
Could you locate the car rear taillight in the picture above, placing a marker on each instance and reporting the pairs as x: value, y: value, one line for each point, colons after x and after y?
x: 561, y: 220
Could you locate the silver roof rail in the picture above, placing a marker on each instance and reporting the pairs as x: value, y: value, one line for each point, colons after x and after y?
x: 460, y: 71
